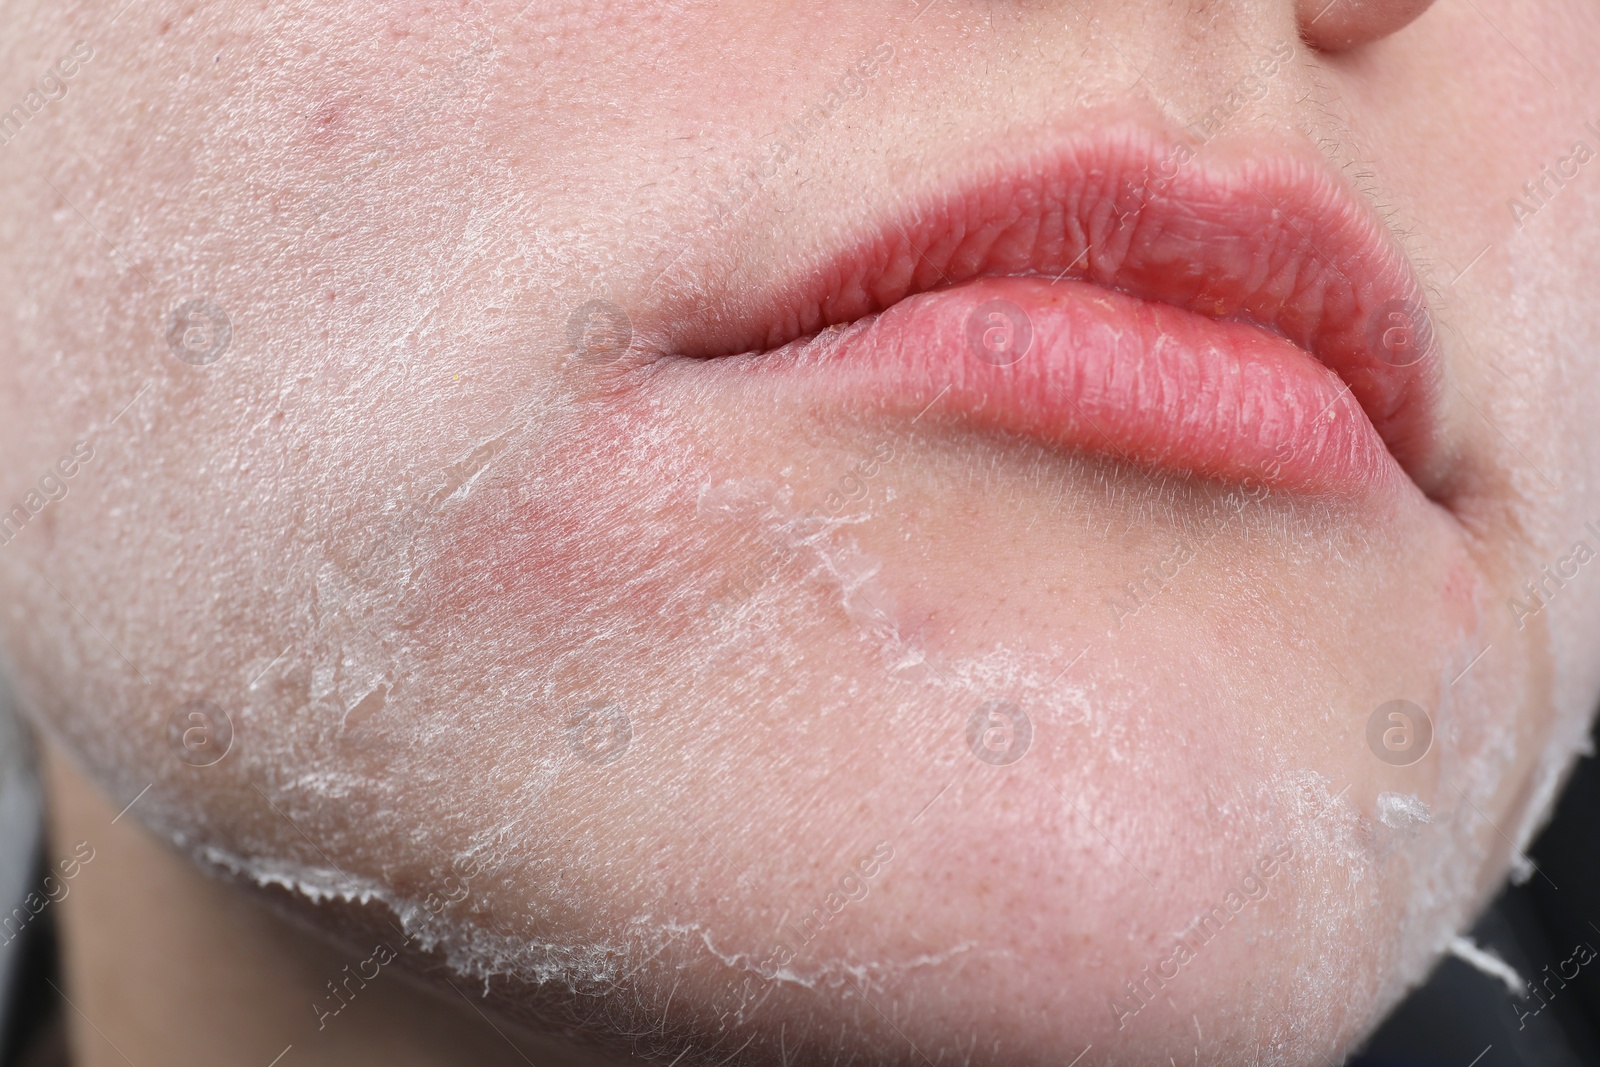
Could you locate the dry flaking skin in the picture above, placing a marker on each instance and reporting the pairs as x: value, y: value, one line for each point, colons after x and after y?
x: 598, y: 676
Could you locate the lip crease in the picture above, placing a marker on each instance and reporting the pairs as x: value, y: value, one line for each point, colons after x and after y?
x: 1234, y: 316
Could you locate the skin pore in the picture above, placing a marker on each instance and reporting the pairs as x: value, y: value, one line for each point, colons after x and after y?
x: 445, y: 578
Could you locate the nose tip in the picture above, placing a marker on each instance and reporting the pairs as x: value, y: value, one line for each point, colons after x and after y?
x: 1337, y: 25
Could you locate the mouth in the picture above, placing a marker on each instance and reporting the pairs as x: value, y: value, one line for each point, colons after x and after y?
x: 1233, y: 316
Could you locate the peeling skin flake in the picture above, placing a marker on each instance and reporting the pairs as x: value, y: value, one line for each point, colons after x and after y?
x: 1400, y: 811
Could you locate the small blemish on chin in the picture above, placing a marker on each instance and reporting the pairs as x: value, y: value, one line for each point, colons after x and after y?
x: 328, y: 123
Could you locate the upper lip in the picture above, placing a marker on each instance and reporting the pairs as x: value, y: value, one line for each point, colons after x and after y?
x: 1275, y: 239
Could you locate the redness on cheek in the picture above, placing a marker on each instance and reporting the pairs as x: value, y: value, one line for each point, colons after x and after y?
x: 589, y: 530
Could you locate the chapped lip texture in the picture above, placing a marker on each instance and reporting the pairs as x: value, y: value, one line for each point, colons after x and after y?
x: 1242, y: 317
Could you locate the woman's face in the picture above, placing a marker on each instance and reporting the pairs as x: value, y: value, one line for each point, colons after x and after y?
x: 1164, y: 651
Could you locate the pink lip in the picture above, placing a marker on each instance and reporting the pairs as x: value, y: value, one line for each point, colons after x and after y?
x: 1214, y: 315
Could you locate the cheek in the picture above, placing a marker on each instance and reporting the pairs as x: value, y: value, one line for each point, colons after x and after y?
x: 549, y: 545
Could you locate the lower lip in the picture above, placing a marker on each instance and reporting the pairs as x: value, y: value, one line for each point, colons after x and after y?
x: 1085, y: 368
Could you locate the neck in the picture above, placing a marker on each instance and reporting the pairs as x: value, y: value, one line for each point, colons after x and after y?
x: 165, y: 965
